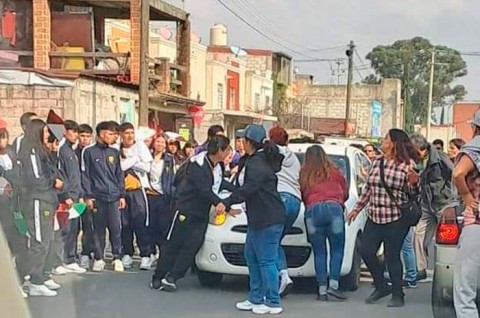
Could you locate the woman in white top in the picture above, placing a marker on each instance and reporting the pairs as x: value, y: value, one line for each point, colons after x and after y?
x: 162, y: 175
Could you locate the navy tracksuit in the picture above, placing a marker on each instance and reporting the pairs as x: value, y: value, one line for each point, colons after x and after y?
x: 102, y: 180
x: 160, y: 204
x: 69, y: 167
x: 86, y: 221
x: 38, y: 204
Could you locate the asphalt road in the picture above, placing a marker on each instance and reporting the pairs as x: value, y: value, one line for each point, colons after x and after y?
x: 125, y: 295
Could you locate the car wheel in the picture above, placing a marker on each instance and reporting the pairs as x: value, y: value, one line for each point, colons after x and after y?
x: 441, y: 307
x: 352, y: 280
x: 209, y: 279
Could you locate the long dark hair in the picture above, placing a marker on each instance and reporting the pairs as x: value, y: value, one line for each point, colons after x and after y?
x: 404, y: 151
x: 317, y: 167
x: 34, y: 140
x: 272, y: 153
x: 457, y: 142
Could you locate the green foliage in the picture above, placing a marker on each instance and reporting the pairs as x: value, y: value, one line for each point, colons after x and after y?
x: 409, y: 60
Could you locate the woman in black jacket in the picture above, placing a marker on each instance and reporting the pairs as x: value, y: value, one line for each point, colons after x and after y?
x: 266, y: 218
x: 39, y: 179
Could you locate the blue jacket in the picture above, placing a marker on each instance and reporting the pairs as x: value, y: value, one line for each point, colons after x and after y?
x: 168, y: 174
x: 102, y: 176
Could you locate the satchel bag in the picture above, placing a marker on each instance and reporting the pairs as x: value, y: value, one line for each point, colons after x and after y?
x: 411, y: 210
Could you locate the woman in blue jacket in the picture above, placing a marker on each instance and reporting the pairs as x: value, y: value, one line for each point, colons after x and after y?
x: 266, y: 219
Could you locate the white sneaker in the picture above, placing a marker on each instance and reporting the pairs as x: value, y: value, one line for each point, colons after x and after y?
x: 98, y: 266
x: 286, y: 285
x: 41, y: 290
x: 75, y: 268
x: 264, y: 309
x: 118, y: 265
x: 60, y: 270
x: 52, y: 285
x: 84, y: 261
x: 127, y: 261
x: 146, y: 263
x: 245, y: 305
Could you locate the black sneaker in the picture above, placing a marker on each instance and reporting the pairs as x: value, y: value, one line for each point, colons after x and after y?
x: 337, y: 294
x: 409, y: 284
x: 396, y: 301
x: 156, y: 284
x: 378, y: 294
x: 322, y: 297
x: 168, y: 286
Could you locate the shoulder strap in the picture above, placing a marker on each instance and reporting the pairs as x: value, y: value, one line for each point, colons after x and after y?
x: 384, y: 183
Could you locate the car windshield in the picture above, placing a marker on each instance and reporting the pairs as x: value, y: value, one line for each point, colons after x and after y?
x: 340, y: 161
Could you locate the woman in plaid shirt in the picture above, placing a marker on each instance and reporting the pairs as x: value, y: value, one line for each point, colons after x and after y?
x: 384, y: 224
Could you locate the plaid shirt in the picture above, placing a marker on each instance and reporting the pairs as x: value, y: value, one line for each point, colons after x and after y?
x: 381, y: 209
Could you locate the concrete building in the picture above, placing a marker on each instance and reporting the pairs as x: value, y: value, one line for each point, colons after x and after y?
x: 374, y: 108
x: 239, y: 86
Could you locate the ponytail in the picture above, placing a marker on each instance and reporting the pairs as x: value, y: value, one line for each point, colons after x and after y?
x: 272, y: 153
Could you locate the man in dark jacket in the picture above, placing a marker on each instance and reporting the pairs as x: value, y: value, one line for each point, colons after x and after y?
x: 215, y: 130
x: 104, y: 188
x: 25, y: 119
x: 196, y: 193
x: 436, y: 193
x: 69, y: 167
x: 85, y: 133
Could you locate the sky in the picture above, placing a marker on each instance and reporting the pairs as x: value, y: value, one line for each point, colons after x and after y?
x: 306, y: 28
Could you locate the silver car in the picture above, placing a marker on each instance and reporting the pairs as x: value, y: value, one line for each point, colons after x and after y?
x: 447, y: 236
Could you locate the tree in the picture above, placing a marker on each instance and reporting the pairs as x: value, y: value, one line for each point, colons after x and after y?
x: 409, y: 60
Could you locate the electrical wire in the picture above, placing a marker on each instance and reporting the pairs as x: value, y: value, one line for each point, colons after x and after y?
x: 274, y: 39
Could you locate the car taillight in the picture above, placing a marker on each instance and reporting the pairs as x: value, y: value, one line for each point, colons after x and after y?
x: 448, y: 230
x: 448, y: 233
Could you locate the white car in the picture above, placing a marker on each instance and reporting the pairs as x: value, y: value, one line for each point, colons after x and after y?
x: 222, y: 253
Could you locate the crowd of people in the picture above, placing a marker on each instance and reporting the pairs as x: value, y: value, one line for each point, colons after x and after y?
x: 150, y: 192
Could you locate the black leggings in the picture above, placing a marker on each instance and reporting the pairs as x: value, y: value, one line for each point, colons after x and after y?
x: 392, y: 236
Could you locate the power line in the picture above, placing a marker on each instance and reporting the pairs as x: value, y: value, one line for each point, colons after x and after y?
x: 277, y: 41
x: 318, y: 60
x: 269, y: 24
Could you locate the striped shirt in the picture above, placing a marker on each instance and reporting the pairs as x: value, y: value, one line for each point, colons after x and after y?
x: 380, y: 208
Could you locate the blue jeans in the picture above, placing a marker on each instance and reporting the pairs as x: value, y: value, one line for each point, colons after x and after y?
x: 292, y: 207
x: 409, y: 259
x: 324, y: 221
x: 261, y: 253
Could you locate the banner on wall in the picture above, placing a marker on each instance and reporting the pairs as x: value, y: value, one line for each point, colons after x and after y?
x: 377, y: 108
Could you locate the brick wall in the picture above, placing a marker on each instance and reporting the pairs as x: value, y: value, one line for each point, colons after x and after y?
x: 18, y: 99
x: 41, y: 34
x: 135, y: 43
x: 88, y: 101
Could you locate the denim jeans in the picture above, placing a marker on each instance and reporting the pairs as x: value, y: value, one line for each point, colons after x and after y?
x: 409, y: 258
x: 261, y: 253
x: 324, y: 221
x: 292, y: 207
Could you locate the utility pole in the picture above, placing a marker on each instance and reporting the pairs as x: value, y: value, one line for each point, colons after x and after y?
x: 349, y: 54
x: 430, y: 94
x: 144, y: 48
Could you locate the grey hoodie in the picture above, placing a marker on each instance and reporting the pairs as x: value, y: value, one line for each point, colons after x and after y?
x: 289, y: 175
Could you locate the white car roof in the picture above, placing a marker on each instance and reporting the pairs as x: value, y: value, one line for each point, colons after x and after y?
x: 329, y: 149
